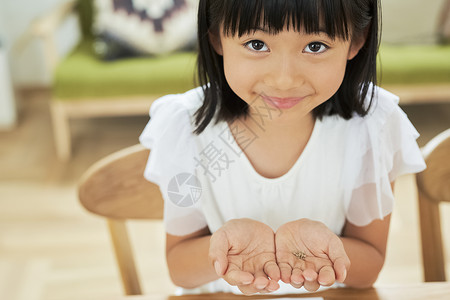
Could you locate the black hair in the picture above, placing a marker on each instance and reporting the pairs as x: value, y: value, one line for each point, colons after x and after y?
x: 345, y: 19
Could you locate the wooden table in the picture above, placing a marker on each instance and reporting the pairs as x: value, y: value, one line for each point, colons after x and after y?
x: 421, y: 291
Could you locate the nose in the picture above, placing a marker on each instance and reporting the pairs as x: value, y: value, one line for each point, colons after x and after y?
x: 284, y: 73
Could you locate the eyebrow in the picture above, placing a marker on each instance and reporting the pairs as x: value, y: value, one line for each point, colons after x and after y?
x: 267, y: 31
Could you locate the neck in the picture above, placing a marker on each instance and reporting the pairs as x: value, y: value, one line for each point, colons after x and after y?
x: 279, y: 141
x: 284, y: 125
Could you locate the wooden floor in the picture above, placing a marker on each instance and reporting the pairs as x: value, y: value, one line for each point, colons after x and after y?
x: 50, y: 248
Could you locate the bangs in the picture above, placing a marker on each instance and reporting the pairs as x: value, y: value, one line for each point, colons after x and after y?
x: 357, y: 20
x: 311, y: 16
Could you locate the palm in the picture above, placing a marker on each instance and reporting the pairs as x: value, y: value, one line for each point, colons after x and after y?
x: 316, y: 242
x: 245, y: 250
x: 290, y: 240
x: 250, y: 251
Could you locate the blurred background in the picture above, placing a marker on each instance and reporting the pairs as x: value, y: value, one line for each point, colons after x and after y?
x: 50, y: 247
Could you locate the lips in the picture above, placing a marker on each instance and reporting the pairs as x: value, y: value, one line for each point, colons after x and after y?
x: 282, y: 103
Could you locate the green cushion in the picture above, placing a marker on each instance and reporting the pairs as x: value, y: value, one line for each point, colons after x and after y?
x: 414, y: 64
x: 82, y: 75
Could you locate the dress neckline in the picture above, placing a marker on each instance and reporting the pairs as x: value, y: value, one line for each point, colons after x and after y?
x: 248, y: 165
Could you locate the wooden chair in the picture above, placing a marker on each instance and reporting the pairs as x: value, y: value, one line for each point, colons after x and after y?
x: 83, y: 86
x: 115, y: 188
x: 434, y: 188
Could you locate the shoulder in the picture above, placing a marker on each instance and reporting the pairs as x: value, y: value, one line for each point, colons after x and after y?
x: 382, y: 105
x: 169, y: 135
x: 379, y: 147
x: 384, y: 139
x: 384, y: 114
x: 171, y: 164
x: 187, y: 103
x: 171, y: 115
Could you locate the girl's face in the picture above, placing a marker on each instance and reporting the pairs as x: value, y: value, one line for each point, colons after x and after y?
x: 291, y: 71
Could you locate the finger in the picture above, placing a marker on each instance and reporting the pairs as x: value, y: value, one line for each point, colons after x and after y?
x: 311, y: 286
x: 326, y: 276
x: 235, y: 276
x: 272, y: 286
x: 272, y: 270
x: 218, y: 251
x: 341, y: 262
x: 309, y: 275
x: 248, y: 289
x: 297, y: 286
x: 341, y: 266
x: 286, y: 272
x: 261, y: 281
x: 251, y: 290
x: 297, y: 278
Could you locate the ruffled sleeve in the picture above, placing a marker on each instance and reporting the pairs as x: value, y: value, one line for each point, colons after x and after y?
x: 171, y: 163
x: 380, y: 147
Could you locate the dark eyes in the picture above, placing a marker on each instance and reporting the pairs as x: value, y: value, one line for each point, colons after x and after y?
x: 260, y: 46
x: 257, y: 45
x: 315, y: 47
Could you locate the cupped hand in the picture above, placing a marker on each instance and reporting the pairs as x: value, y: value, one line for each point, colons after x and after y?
x: 309, y: 254
x: 243, y: 254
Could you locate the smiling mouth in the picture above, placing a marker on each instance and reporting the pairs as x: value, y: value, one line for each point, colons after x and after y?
x: 282, y: 103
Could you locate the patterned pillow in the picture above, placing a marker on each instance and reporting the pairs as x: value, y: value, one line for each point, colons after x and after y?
x: 141, y: 27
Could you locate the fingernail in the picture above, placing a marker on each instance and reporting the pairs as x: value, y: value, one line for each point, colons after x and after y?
x: 247, y: 282
x: 344, y: 274
x: 307, y: 278
x: 217, y: 268
x: 260, y: 287
x: 272, y: 288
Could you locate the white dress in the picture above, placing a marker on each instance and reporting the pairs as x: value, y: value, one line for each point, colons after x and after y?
x: 344, y: 173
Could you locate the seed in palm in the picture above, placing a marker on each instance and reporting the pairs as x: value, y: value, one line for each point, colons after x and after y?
x: 300, y: 255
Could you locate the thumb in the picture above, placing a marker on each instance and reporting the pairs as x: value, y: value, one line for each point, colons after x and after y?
x: 218, y: 252
x: 341, y: 262
x: 341, y: 266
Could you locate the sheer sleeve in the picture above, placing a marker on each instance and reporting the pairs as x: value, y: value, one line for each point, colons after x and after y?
x: 170, y: 165
x: 380, y: 147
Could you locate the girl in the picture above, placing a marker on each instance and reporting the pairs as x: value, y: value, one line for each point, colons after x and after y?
x: 277, y: 172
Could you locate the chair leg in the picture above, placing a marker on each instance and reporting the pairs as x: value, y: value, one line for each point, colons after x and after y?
x: 124, y: 256
x: 61, y: 130
x: 432, y: 248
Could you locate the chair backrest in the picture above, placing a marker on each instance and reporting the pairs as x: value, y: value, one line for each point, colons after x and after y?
x: 85, y: 11
x: 115, y: 188
x: 433, y: 186
x: 444, y: 23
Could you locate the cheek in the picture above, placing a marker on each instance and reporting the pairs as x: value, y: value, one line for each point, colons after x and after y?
x: 237, y: 75
x: 331, y: 78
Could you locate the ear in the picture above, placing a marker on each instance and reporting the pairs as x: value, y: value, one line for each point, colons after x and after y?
x: 214, y: 39
x: 355, y: 46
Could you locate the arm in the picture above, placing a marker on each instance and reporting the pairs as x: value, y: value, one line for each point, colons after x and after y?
x: 329, y: 257
x: 242, y: 252
x: 187, y: 259
x: 366, y: 248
